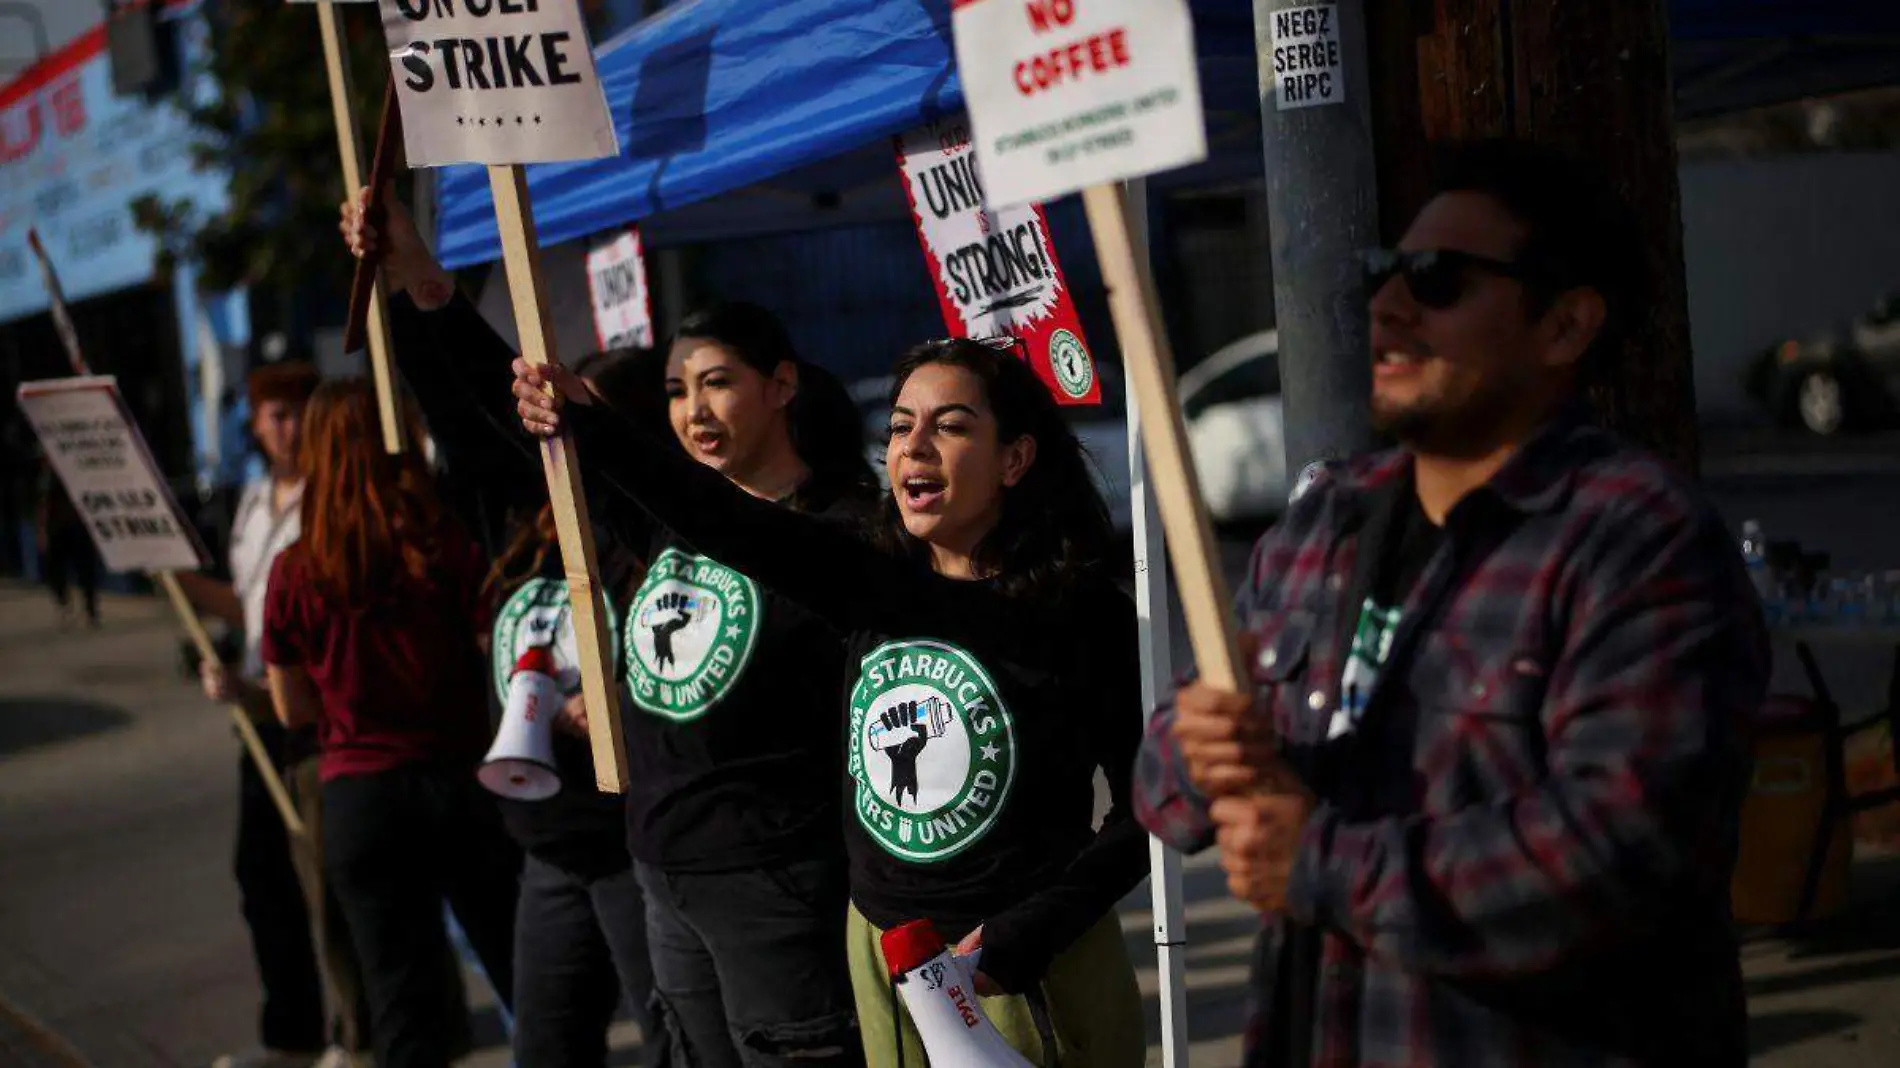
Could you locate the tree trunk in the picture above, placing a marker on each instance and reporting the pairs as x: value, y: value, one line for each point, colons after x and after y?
x: 1591, y: 79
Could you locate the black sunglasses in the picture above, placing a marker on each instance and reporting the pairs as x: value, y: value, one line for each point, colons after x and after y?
x: 1437, y: 278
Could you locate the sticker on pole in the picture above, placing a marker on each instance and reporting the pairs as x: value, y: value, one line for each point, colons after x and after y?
x: 1072, y: 93
x: 995, y: 271
x: 101, y: 459
x: 496, y: 81
x: 1308, y: 65
x: 617, y: 281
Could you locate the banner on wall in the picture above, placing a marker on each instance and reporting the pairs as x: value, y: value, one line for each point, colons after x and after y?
x: 996, y: 271
x: 73, y: 158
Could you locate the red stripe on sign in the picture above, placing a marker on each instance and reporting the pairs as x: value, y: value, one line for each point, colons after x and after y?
x: 954, y: 4
x: 77, y: 52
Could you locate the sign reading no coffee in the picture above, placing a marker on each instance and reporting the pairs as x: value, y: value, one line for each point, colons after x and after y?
x: 496, y: 81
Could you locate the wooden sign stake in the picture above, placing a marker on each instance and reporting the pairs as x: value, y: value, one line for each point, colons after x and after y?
x: 382, y: 167
x: 521, y: 253
x: 241, y: 719
x: 349, y: 147
x: 1149, y: 365
x: 187, y: 616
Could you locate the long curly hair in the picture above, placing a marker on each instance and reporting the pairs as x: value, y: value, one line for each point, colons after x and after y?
x: 371, y: 521
x: 1054, y: 526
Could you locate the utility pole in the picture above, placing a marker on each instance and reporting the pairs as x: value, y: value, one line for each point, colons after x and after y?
x: 1322, y: 209
x: 1591, y: 79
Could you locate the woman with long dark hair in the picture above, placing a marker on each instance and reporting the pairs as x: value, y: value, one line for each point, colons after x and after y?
x: 370, y: 634
x: 732, y: 812
x: 995, y: 674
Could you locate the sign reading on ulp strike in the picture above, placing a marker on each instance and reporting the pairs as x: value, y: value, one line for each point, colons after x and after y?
x: 1072, y: 93
x: 995, y: 271
x: 100, y: 457
x: 496, y: 81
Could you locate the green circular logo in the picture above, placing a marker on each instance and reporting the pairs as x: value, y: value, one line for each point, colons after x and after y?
x: 689, y: 635
x: 539, y: 613
x: 932, y: 749
x: 1075, y: 372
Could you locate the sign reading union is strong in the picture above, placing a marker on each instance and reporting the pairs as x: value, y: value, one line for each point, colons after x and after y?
x: 932, y: 749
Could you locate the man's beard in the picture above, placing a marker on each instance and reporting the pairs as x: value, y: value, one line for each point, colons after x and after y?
x: 1468, y: 427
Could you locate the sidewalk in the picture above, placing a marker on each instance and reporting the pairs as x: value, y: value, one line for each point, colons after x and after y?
x: 120, y: 933
x: 119, y: 924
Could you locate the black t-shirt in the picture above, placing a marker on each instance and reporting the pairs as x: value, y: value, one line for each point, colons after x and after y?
x: 731, y: 701
x: 973, y: 722
x: 1396, y: 544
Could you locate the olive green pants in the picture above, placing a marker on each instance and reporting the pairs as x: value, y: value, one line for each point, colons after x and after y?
x: 1094, y: 1004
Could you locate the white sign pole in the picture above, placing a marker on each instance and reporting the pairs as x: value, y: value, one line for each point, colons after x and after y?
x: 336, y: 62
x: 187, y: 616
x: 1157, y: 671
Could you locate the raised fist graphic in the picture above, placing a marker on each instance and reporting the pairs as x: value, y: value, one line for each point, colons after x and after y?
x: 669, y: 614
x: 912, y: 715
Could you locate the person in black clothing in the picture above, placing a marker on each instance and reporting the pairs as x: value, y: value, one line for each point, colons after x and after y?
x: 981, y: 617
x: 580, y: 942
x: 732, y: 814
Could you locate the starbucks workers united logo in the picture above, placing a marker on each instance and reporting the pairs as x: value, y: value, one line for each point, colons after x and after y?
x: 932, y: 749
x: 689, y: 635
x: 538, y: 613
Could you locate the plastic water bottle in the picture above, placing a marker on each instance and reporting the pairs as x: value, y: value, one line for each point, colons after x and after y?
x: 1755, y: 559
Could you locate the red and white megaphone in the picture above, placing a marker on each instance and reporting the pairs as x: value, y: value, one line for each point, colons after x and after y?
x: 520, y: 765
x: 941, y: 996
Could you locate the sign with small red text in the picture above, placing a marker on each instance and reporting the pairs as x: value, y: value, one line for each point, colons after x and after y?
x: 1066, y: 94
x: 617, y: 281
x: 101, y: 458
x: 995, y: 271
x: 496, y: 81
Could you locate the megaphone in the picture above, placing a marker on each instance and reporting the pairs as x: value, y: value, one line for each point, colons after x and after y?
x: 941, y: 996
x: 520, y: 765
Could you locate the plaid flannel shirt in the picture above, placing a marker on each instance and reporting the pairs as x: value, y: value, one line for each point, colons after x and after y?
x: 1522, y: 855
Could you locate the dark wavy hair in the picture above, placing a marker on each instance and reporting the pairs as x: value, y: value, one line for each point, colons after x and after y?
x: 1054, y: 525
x: 825, y: 425
x: 1578, y: 232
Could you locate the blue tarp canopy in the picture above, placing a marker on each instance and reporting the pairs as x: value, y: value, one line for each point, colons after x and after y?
x: 746, y: 116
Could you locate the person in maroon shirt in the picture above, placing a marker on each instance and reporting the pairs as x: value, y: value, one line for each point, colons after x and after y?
x: 370, y: 634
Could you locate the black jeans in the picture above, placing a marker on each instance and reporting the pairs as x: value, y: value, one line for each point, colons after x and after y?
x: 395, y: 844
x: 580, y: 947
x: 273, y: 904
x: 749, y: 966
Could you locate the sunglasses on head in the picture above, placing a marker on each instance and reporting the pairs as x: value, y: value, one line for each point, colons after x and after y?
x: 1437, y: 278
x: 999, y: 342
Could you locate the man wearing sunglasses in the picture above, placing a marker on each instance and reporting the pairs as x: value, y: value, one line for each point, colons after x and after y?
x: 1486, y: 789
